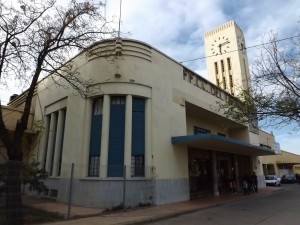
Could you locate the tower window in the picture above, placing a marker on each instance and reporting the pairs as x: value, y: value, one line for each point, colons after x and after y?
x: 218, y: 82
x: 229, y: 63
x: 231, y: 81
x: 224, y: 82
x: 216, y: 68
x: 222, y: 66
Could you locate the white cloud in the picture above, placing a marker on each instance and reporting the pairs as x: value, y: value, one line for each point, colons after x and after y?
x: 289, y: 142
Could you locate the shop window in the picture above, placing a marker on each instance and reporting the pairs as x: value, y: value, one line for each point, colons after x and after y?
x: 199, y: 130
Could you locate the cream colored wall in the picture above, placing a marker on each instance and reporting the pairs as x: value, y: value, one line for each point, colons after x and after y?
x: 253, y: 139
x: 74, y: 150
x: 239, y: 133
x: 203, y: 123
x: 142, y: 71
x: 284, y: 157
x: 138, y: 77
x: 296, y: 169
x: 266, y: 139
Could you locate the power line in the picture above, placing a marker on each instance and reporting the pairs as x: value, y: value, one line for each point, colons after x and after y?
x: 241, y: 49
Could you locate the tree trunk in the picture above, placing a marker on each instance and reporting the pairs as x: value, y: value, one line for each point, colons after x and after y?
x: 14, y: 207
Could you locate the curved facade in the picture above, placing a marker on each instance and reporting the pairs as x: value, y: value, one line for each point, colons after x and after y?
x: 148, y: 128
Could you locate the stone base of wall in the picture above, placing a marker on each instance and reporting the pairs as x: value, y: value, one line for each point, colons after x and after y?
x: 104, y: 193
x: 109, y: 193
x: 172, y: 190
x: 261, y: 181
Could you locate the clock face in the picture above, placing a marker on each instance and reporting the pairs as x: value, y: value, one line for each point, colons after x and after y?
x: 241, y: 44
x: 220, y: 46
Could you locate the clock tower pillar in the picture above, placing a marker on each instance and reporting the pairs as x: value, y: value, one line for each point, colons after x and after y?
x: 226, y: 58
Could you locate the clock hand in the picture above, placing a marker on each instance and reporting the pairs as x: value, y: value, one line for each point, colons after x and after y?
x: 220, y: 46
x: 225, y: 43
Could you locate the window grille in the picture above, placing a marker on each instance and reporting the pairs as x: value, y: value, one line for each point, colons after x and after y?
x: 137, y: 166
x: 94, y: 163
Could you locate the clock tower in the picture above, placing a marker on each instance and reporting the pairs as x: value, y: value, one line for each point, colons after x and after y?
x: 226, y: 58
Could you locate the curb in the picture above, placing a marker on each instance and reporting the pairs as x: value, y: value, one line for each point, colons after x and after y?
x: 176, y: 214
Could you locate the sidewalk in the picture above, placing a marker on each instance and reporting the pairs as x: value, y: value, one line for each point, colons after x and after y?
x: 147, y: 214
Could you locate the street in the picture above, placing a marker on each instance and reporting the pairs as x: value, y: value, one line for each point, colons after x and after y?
x: 279, y: 207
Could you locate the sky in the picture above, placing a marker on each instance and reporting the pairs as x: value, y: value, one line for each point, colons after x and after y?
x: 177, y: 27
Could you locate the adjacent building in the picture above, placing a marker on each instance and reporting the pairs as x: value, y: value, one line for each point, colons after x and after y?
x: 281, y: 164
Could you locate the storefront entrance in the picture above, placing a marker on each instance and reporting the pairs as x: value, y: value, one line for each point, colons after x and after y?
x: 226, y: 172
x: 200, y: 175
x: 228, y: 179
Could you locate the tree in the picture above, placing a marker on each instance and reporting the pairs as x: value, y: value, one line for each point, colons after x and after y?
x: 31, y: 174
x: 37, y: 38
x: 274, y: 99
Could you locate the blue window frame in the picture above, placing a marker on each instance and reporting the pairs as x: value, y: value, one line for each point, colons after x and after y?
x: 138, y: 137
x: 116, y: 137
x: 95, y: 138
x: 199, y: 130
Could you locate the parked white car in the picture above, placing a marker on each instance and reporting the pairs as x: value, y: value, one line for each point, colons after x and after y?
x: 272, y: 180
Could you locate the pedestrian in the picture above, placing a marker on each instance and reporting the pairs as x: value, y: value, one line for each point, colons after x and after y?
x: 254, y: 182
x: 245, y: 184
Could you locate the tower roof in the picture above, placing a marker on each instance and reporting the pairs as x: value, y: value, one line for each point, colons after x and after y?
x: 222, y: 27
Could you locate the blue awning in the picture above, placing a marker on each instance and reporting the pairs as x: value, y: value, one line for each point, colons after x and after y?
x: 221, y: 143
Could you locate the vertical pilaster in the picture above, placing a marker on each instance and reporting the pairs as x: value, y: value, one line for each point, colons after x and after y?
x: 87, y: 137
x: 58, y: 141
x: 214, y: 173
x: 51, y: 142
x: 128, y: 135
x: 45, y: 142
x: 148, y: 138
x: 105, y: 137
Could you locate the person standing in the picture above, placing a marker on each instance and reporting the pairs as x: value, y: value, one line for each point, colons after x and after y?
x: 255, y: 182
x: 245, y: 184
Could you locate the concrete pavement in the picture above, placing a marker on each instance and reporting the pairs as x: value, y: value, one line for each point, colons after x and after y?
x: 145, y: 214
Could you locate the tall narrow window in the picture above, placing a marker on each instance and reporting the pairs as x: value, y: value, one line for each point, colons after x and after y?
x: 138, y: 137
x: 231, y: 83
x: 95, y: 138
x: 53, y: 142
x: 246, y: 75
x: 116, y: 137
x: 222, y: 66
x: 229, y: 64
x: 64, y: 111
x: 218, y: 82
x: 224, y: 83
x: 216, y: 68
x: 47, y: 121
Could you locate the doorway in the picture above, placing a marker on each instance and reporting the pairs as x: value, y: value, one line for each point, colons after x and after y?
x: 200, y: 175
